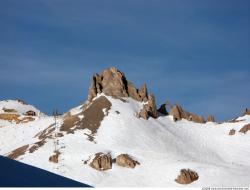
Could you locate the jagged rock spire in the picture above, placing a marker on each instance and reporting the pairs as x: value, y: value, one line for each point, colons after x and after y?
x: 113, y: 82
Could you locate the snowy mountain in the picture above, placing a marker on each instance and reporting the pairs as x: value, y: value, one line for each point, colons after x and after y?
x: 88, y: 143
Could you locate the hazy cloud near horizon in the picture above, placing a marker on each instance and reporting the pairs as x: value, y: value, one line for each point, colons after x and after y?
x: 193, y: 52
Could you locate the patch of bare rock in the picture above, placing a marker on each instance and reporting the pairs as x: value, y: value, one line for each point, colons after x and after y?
x: 13, y: 117
x: 149, y: 109
x: 93, y: 115
x: 232, y: 132
x: 125, y: 160
x: 18, y: 152
x: 178, y: 113
x: 113, y: 82
x: 187, y: 176
x: 245, y: 128
x: 55, y: 157
x: 210, y: 118
x: 103, y: 161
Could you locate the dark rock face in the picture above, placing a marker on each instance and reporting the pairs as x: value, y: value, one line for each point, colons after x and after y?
x: 245, y: 128
x: 210, y: 118
x: 187, y: 176
x: 232, y: 132
x: 178, y: 113
x: 113, y: 82
x: 102, y: 162
x: 163, y: 109
x: 125, y: 160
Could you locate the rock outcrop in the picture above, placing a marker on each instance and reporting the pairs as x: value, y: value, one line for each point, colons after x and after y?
x: 149, y: 109
x: 245, y: 128
x: 54, y: 157
x: 102, y: 162
x: 178, y: 113
x: 125, y: 160
x: 18, y: 152
x: 187, y: 176
x: 113, y: 82
x: 210, y: 118
x: 162, y: 109
x: 232, y: 132
x: 93, y: 115
x: 15, y: 118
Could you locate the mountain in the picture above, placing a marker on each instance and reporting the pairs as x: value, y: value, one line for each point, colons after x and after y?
x: 118, y: 137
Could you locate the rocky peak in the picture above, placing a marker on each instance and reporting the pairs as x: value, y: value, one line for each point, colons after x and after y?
x: 113, y: 82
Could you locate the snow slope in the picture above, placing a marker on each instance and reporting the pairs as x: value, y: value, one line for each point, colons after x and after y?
x: 162, y: 146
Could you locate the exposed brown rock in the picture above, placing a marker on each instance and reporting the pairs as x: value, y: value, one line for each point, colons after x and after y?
x: 31, y: 113
x: 54, y: 157
x: 187, y: 176
x: 163, y: 109
x: 143, y: 93
x: 133, y: 92
x: 143, y: 113
x: 149, y: 109
x: 15, y: 118
x: 125, y: 160
x: 46, y: 133
x: 245, y: 128
x: 210, y: 118
x: 18, y: 152
x: 36, y: 146
x: 10, y: 117
x: 178, y: 113
x: 232, y: 132
x: 196, y: 118
x: 9, y: 110
x: 93, y: 115
x: 102, y: 162
x: 113, y: 82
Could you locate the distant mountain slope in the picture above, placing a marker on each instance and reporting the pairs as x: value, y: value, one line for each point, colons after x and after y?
x: 119, y: 119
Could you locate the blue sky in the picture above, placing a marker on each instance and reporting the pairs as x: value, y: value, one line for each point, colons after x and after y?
x: 196, y: 52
